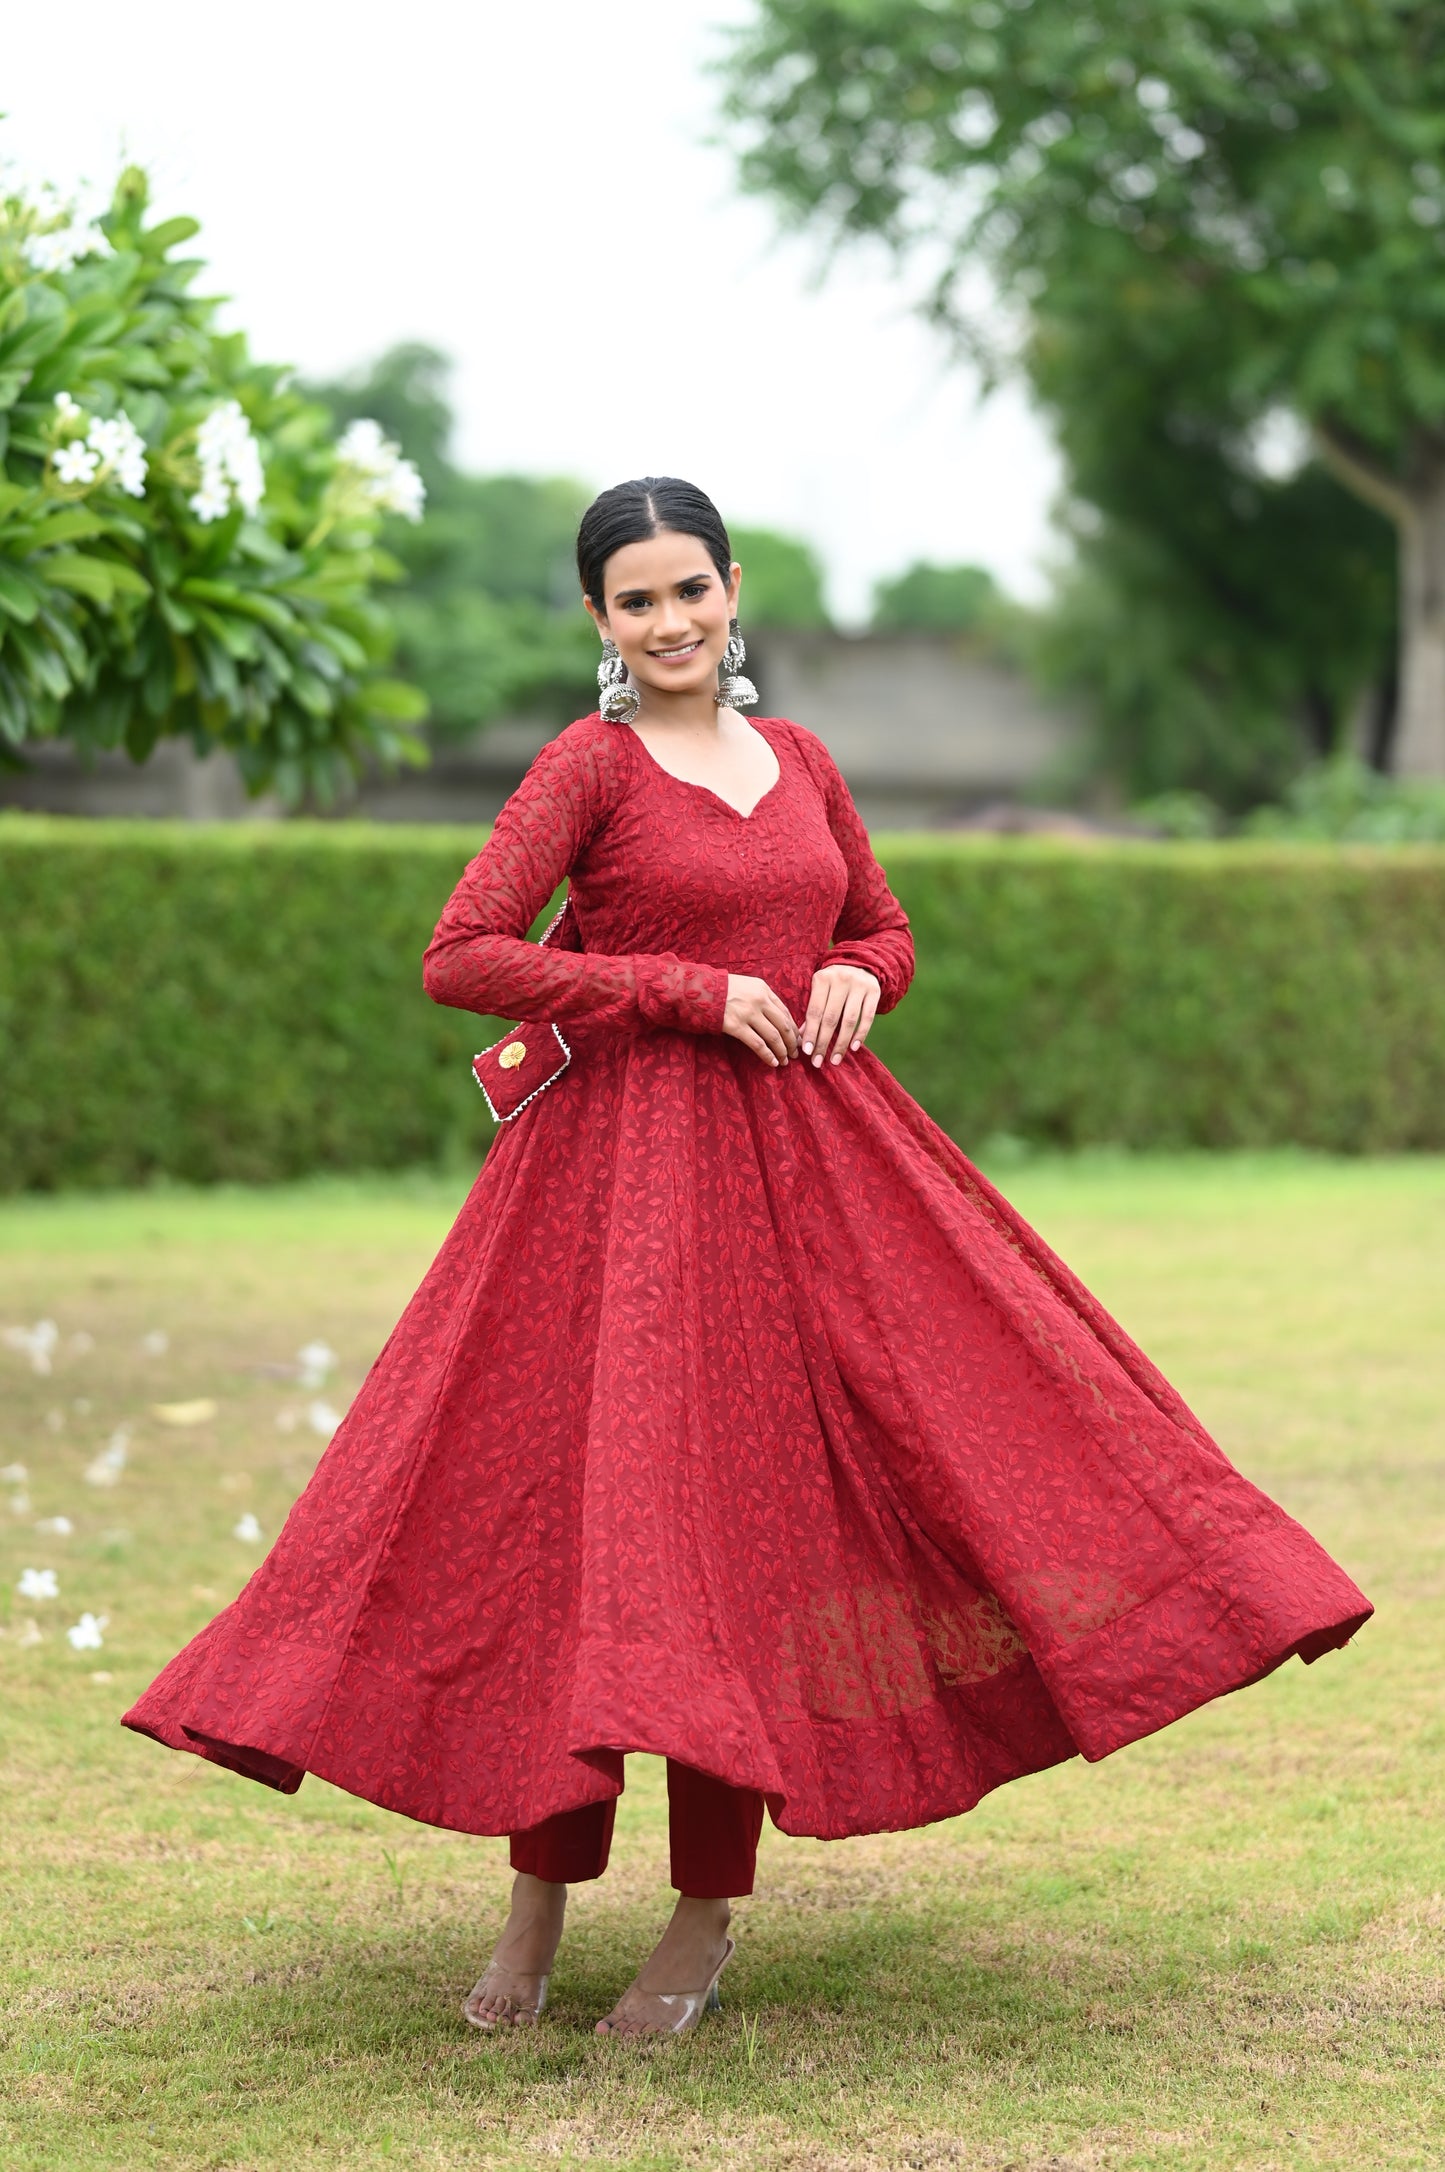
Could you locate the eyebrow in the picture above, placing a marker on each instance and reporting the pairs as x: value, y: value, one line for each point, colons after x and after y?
x: 689, y: 580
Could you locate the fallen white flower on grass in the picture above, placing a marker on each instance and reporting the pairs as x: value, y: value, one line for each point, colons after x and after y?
x: 105, y: 1469
x: 37, y: 1342
x: 28, y: 1634
x: 102, y: 1676
x: 156, y: 1343
x: 55, y: 1421
x: 322, y: 1419
x: 198, y: 1412
x: 55, y: 1527
x: 84, y: 1635
x: 248, y: 1531
x: 20, y: 1504
x: 14, y: 1474
x: 315, y: 1361
x: 38, y: 1584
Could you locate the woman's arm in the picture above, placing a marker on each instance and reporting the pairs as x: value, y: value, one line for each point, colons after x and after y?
x: 872, y: 930
x: 479, y: 959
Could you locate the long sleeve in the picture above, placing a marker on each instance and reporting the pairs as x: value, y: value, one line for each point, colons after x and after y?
x: 479, y: 958
x: 872, y: 929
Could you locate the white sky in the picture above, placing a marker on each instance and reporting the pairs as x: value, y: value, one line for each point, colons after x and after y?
x: 531, y: 188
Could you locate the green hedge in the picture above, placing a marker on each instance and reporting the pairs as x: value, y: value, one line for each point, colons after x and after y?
x: 245, y: 1002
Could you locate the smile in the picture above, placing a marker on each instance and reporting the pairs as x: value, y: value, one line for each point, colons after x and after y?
x: 675, y: 656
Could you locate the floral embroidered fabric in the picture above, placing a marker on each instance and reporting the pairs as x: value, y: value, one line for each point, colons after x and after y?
x: 739, y: 1419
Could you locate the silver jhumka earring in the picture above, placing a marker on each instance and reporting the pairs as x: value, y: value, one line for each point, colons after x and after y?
x: 620, y: 700
x: 735, y: 692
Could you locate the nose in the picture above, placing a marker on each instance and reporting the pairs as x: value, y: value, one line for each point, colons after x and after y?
x: 673, y: 622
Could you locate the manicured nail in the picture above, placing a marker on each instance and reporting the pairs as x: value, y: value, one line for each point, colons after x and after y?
x: 837, y: 1059
x: 807, y: 1048
x: 857, y: 1044
x: 816, y: 1061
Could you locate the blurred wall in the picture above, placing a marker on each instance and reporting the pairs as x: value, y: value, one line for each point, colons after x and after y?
x: 924, y: 727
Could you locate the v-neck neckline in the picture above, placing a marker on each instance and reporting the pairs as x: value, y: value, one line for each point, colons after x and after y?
x: 689, y: 786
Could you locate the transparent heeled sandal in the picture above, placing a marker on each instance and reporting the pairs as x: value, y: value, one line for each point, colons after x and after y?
x: 518, y: 2013
x: 683, y: 2009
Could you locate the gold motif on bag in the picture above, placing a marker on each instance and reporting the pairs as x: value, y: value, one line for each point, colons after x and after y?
x: 514, y: 1053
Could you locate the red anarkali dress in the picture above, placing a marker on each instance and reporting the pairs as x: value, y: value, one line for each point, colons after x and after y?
x: 739, y: 1419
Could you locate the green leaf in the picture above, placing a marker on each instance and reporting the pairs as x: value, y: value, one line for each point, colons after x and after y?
x: 17, y: 595
x: 394, y: 698
x: 82, y: 576
x: 156, y: 240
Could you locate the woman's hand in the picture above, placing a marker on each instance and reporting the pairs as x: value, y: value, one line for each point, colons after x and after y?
x: 760, y: 1020
x: 841, y: 1008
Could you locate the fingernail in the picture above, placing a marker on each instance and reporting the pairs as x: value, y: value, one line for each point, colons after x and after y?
x: 816, y: 1061
x: 857, y: 1044
x: 807, y: 1048
x: 837, y: 1059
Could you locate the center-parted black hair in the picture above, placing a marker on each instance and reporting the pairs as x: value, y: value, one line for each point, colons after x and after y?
x: 631, y: 512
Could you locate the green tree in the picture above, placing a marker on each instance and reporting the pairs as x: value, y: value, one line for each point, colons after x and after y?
x: 1263, y: 175
x: 782, y: 580
x: 1225, y: 610
x: 184, y: 548
x: 934, y: 599
x: 489, y: 624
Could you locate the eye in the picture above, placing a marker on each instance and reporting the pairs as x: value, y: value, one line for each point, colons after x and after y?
x: 637, y: 603
x: 693, y: 588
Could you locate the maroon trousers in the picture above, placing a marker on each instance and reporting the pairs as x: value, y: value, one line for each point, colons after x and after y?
x: 713, y: 1830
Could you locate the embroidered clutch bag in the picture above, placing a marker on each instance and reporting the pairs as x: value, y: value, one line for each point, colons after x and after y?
x: 523, y: 1064
x: 533, y: 1056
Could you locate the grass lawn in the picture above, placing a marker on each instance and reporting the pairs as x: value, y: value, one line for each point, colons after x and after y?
x: 1223, y: 1948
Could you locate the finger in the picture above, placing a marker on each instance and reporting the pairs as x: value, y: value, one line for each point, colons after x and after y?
x: 765, y: 1024
x: 848, y: 1024
x: 777, y: 1010
x: 817, y: 998
x: 757, y: 1044
x: 828, y: 1025
x: 865, y: 1023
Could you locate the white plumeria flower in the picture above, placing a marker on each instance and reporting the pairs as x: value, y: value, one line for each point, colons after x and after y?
x: 61, y: 250
x: 405, y: 492
x: 105, y: 1469
x: 119, y: 446
x: 66, y: 407
x: 14, y: 1474
x: 156, y: 1343
x: 20, y: 1504
x: 391, y: 483
x: 38, y: 1584
x: 76, y: 463
x: 29, y: 1633
x: 230, y: 461
x: 316, y: 1360
x: 248, y: 1531
x: 55, y: 1527
x: 84, y: 1635
x: 322, y: 1419
x: 37, y: 1342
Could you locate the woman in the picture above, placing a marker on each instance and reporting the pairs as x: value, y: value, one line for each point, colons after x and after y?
x: 739, y: 1420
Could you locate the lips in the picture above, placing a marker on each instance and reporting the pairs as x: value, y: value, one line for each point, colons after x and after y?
x: 675, y: 656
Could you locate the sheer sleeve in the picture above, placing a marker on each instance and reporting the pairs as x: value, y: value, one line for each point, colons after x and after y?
x: 872, y: 929
x: 479, y: 958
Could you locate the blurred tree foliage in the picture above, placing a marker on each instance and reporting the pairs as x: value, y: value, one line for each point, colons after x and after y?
x: 489, y: 623
x: 184, y: 549
x: 1225, y: 608
x: 1261, y: 184
x: 935, y: 599
x: 782, y: 580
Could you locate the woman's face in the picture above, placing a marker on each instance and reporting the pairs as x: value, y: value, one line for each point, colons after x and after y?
x: 667, y: 607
